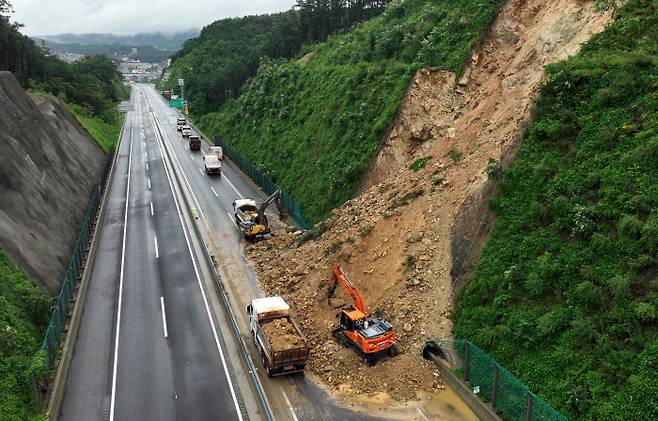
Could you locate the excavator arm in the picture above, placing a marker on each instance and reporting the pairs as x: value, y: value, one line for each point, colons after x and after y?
x: 275, y: 196
x: 339, y: 277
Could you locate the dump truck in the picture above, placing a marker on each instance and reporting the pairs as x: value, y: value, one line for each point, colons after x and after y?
x: 216, y: 150
x: 280, y: 342
x: 251, y: 219
x: 195, y: 142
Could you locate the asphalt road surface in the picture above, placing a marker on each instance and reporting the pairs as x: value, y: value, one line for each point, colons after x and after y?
x: 149, y: 346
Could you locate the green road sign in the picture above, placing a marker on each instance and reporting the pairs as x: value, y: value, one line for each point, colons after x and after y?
x: 177, y: 103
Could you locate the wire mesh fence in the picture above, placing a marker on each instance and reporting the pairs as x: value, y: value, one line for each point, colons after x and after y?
x: 493, y: 383
x: 48, y: 354
x: 265, y: 182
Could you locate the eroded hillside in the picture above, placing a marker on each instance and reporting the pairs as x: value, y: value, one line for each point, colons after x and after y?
x: 396, y: 238
x: 48, y: 168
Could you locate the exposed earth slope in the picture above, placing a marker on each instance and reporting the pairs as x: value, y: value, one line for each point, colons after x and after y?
x: 396, y: 238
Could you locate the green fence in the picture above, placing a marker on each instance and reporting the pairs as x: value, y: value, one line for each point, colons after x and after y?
x: 493, y: 383
x: 50, y: 346
x: 289, y: 203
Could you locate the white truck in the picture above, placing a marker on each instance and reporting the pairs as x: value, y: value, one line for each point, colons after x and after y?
x: 280, y: 342
x: 212, y: 164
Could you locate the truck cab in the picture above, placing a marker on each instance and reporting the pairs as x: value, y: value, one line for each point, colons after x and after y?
x: 212, y: 164
x: 195, y: 142
x: 180, y: 122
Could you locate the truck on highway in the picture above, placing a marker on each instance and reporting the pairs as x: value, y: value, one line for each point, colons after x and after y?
x: 212, y: 164
x: 217, y: 150
x: 180, y: 122
x: 195, y: 142
x: 251, y: 219
x: 186, y: 130
x: 280, y: 342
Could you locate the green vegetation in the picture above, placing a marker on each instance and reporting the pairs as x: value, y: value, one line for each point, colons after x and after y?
x: 24, y: 312
x: 316, y: 124
x: 566, y: 292
x: 419, y: 164
x: 104, y: 130
x: 216, y: 65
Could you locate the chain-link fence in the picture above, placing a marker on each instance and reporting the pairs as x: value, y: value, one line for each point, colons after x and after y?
x: 491, y: 382
x: 289, y: 203
x: 45, y: 359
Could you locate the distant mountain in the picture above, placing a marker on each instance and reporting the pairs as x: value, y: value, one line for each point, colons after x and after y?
x: 159, y: 40
x: 144, y: 53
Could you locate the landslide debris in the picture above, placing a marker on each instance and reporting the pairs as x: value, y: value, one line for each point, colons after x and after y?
x: 48, y: 168
x: 395, y: 240
x: 282, y: 334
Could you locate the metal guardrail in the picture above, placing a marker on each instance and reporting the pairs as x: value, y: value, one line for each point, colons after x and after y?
x: 46, y: 357
x: 219, y: 285
x: 491, y: 382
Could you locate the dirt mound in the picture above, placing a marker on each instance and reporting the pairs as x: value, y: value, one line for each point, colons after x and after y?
x: 397, y: 238
x: 48, y: 168
x: 282, y: 334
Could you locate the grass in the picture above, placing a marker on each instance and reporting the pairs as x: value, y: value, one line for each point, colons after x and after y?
x: 566, y: 292
x: 419, y: 164
x: 24, y: 312
x: 317, y: 126
x: 105, y: 131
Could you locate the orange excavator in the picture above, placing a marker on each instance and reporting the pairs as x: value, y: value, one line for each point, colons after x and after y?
x: 370, y: 336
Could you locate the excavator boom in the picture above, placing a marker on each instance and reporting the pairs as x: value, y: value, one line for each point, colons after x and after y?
x: 339, y: 277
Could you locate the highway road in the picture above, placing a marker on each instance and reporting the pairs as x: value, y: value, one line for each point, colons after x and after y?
x: 149, y: 345
x: 154, y: 341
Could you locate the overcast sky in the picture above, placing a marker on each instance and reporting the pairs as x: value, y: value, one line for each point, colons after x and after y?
x: 50, y: 17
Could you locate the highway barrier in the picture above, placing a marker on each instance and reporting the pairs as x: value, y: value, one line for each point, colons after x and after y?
x: 490, y: 382
x: 289, y: 203
x: 44, y: 361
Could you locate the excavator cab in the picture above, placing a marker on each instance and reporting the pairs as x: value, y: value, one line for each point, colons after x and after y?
x: 350, y: 318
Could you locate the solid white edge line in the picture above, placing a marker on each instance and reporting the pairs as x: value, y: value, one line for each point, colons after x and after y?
x: 198, y: 278
x: 164, y: 317
x: 213, y: 190
x: 123, y: 255
x: 151, y: 204
x: 155, y: 240
x: 230, y: 218
x: 292, y: 411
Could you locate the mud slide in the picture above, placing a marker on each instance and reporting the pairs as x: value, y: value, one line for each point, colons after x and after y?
x: 396, y: 238
x: 48, y: 168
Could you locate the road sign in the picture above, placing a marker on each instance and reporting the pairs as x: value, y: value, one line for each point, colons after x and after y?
x: 181, y: 82
x: 177, y: 103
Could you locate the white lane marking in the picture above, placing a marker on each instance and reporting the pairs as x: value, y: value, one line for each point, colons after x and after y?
x: 123, y: 256
x: 147, y: 166
x: 230, y: 218
x: 177, y: 162
x: 422, y: 414
x: 151, y: 204
x: 191, y: 156
x: 213, y: 190
x: 164, y: 317
x: 198, y: 278
x: 292, y: 411
x: 200, y: 170
x: 149, y: 182
x: 155, y: 241
x: 231, y: 184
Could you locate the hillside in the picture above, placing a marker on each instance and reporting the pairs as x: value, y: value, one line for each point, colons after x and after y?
x: 315, y: 124
x: 566, y: 292
x: 159, y: 40
x: 48, y: 168
x: 402, y: 240
x: 24, y: 315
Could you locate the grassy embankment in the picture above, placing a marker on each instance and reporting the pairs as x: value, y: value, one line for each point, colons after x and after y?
x: 24, y: 314
x: 566, y: 292
x: 315, y: 125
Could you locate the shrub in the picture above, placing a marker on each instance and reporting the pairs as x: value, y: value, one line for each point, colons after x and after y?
x: 420, y: 163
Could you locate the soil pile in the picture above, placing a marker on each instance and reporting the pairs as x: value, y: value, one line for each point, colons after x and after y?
x: 421, y: 212
x: 282, y: 334
x: 48, y: 168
